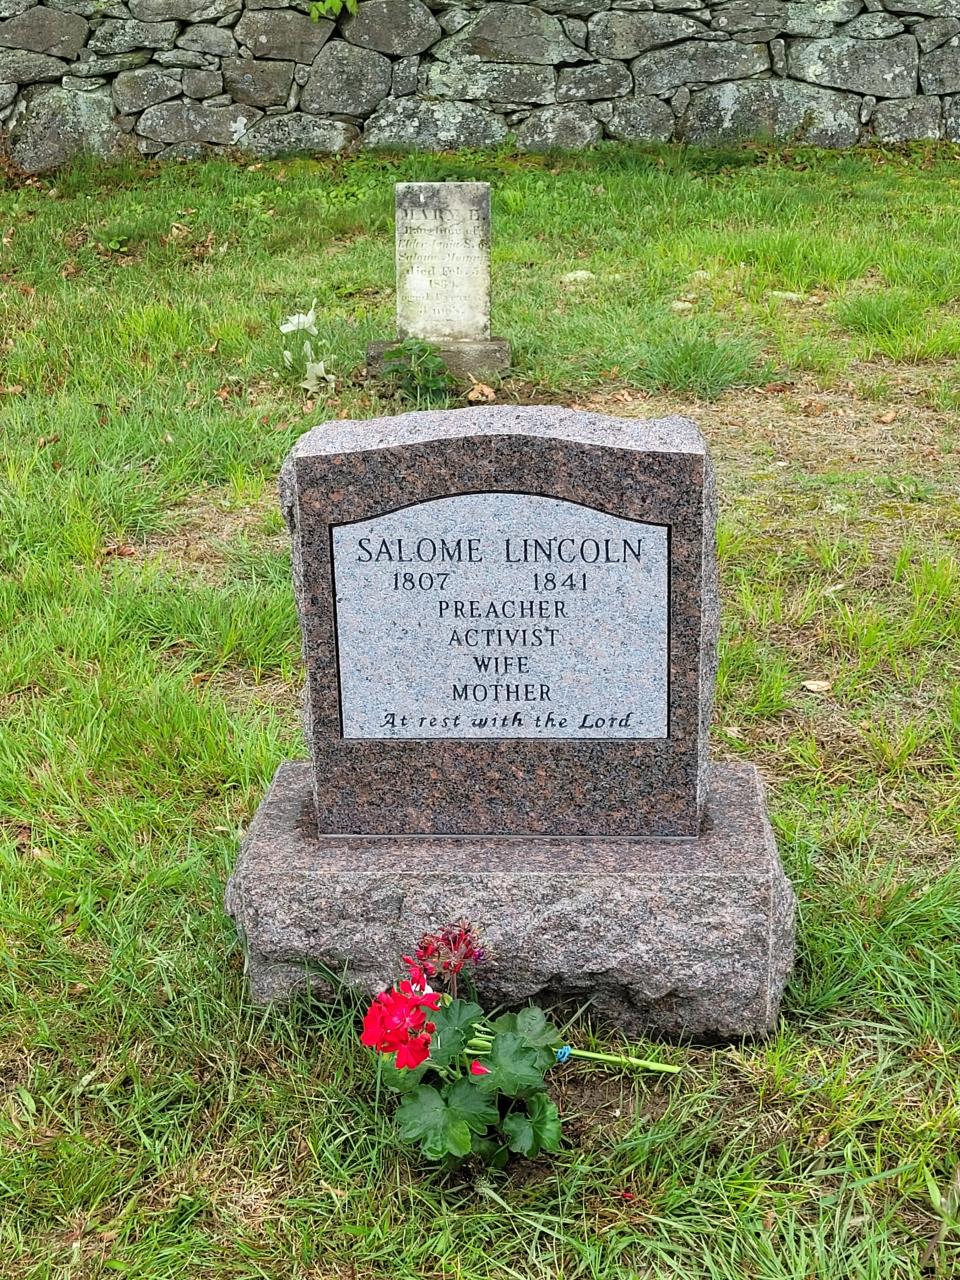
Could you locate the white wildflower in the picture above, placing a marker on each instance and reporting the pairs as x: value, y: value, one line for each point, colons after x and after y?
x: 300, y: 323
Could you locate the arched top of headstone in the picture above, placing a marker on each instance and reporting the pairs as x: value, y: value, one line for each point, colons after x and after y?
x: 656, y: 435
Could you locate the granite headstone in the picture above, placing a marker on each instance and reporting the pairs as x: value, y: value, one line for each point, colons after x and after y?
x: 509, y: 621
x: 489, y: 640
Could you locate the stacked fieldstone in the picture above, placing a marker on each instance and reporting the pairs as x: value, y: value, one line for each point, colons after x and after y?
x: 177, y: 77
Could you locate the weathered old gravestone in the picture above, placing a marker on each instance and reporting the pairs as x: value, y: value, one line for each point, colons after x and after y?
x: 443, y: 276
x: 509, y: 622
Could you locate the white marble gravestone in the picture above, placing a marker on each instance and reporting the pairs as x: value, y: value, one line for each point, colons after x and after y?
x: 443, y: 261
x: 443, y: 276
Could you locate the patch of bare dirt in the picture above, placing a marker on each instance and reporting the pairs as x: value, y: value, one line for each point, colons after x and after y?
x: 593, y: 1103
x: 203, y: 528
x: 238, y: 689
x: 809, y: 427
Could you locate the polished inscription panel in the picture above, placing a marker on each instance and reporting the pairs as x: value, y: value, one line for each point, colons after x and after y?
x: 502, y: 615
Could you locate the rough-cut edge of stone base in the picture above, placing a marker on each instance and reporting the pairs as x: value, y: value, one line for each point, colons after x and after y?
x: 782, y: 911
x: 468, y: 360
x: 696, y: 935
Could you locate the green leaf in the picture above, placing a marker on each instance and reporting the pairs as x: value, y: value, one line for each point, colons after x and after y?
x: 515, y: 1067
x: 491, y: 1152
x: 474, y: 1107
x: 455, y: 1023
x: 533, y: 1026
x: 934, y: 1191
x: 537, y: 1130
x: 423, y: 1116
x: 401, y: 1081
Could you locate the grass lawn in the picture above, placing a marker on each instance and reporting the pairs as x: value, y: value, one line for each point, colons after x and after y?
x: 805, y: 309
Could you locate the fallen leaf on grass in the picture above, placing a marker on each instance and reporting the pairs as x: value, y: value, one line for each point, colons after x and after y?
x: 44, y: 441
x: 201, y: 249
x: 889, y: 416
x: 480, y: 393
x: 817, y: 686
x: 120, y: 549
x: 15, y: 390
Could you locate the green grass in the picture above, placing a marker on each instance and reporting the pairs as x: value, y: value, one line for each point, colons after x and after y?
x: 151, y: 1121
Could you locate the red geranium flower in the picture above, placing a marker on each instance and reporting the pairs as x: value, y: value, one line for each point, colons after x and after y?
x: 396, y: 1022
x: 448, y: 950
x: 478, y: 1069
x: 415, y: 1051
x: 418, y: 975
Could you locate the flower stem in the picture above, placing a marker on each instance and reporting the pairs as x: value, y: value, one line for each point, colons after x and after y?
x: 481, y: 1044
x: 622, y: 1060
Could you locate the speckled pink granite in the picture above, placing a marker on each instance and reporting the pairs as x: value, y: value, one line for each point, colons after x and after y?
x: 658, y: 472
x: 677, y: 937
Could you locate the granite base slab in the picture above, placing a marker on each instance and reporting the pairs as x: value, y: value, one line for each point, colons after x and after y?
x: 479, y: 359
x: 681, y: 938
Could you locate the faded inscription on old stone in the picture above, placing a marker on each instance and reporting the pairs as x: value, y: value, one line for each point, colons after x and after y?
x: 443, y: 260
x: 502, y: 615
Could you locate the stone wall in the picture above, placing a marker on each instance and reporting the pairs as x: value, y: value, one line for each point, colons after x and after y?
x: 178, y: 77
